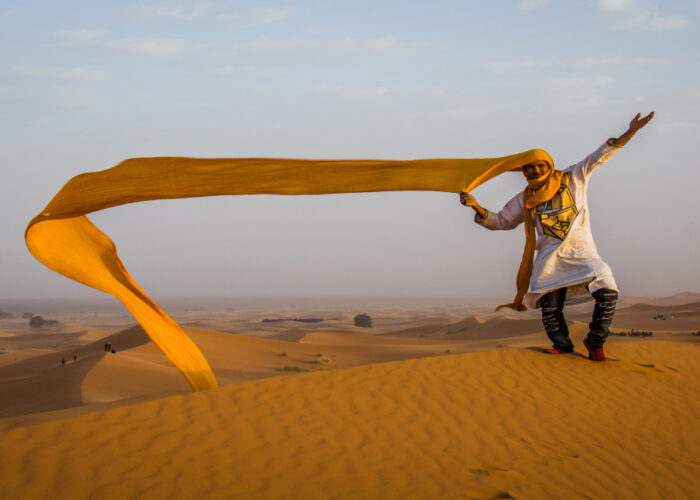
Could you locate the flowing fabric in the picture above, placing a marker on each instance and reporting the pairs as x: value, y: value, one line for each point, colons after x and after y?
x: 64, y: 239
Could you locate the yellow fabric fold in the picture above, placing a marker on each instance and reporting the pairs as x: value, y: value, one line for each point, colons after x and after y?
x: 531, y: 198
x: 65, y: 240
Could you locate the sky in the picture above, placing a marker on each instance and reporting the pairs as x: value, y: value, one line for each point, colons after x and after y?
x: 87, y: 84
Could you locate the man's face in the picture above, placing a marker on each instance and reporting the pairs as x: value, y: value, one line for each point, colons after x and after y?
x: 536, y: 169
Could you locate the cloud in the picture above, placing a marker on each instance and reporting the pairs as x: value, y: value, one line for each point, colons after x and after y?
x: 611, y: 64
x: 514, y: 67
x: 261, y: 15
x: 640, y: 15
x: 56, y: 73
x: 313, y: 50
x: 579, y: 83
x: 78, y: 37
x: 616, y: 5
x: 587, y: 65
x: 244, y: 72
x: 532, y: 4
x: 96, y: 39
x: 74, y: 98
x: 181, y: 11
x: 656, y: 22
x: 345, y: 91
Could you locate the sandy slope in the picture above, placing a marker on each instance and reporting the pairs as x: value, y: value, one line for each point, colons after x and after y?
x: 41, y: 383
x: 144, y: 370
x: 640, y: 316
x: 508, y: 423
x: 139, y: 369
x: 374, y: 414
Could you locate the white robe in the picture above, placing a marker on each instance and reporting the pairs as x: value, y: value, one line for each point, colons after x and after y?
x: 573, y: 260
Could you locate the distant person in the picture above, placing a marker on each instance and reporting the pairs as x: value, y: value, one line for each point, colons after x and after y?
x: 63, y: 362
x: 108, y: 346
x: 75, y: 359
x: 554, y: 207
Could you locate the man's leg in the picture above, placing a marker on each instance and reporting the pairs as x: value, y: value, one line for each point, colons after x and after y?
x: 603, y: 312
x: 554, y: 322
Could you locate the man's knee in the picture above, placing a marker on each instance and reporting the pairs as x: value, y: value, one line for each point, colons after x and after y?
x: 605, y: 295
x: 605, y: 303
x: 553, y: 302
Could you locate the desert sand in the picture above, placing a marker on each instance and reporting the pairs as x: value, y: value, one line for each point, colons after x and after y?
x: 433, y: 401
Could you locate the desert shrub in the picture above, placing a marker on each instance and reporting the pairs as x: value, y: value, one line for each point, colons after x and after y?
x: 289, y: 368
x: 38, y: 322
x: 363, y: 320
x: 320, y: 360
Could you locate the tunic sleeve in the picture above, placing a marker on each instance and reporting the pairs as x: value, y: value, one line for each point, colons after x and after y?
x: 589, y: 165
x: 508, y: 218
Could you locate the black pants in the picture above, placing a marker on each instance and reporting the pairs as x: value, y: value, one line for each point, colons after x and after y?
x: 552, y: 305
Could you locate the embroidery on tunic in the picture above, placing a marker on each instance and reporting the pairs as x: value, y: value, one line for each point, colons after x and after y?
x: 558, y: 214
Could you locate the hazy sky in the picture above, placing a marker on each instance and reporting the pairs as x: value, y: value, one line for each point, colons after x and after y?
x: 86, y: 84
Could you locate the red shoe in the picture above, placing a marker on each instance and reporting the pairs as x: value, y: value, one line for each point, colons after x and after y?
x: 594, y: 354
x: 556, y: 350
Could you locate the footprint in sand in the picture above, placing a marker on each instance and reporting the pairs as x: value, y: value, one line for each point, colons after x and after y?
x: 487, y: 494
x: 492, y: 473
x: 497, y: 472
x: 648, y: 368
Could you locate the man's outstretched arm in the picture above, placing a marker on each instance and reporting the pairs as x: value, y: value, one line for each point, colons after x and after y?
x: 508, y: 218
x: 636, y: 123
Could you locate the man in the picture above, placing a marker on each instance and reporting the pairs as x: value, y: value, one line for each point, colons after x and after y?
x: 554, y: 208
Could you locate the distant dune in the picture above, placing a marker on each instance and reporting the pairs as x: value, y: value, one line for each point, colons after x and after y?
x: 693, y: 307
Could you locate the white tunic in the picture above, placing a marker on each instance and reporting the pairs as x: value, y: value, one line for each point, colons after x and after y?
x: 566, y: 253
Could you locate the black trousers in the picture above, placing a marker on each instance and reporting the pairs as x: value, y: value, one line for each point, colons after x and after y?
x: 555, y: 325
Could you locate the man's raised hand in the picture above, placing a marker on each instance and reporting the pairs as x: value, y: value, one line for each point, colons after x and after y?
x: 638, y: 122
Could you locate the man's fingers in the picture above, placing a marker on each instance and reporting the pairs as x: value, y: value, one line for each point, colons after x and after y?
x: 465, y: 198
x: 638, y: 121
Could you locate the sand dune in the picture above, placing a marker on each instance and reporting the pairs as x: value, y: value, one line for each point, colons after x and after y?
x: 139, y: 369
x: 686, y: 308
x: 41, y: 383
x: 144, y: 370
x: 498, y: 327
x: 508, y: 423
x: 433, y: 403
x: 679, y: 317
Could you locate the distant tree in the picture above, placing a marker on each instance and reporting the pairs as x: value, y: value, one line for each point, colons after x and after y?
x: 4, y: 314
x: 363, y: 320
x: 38, y: 322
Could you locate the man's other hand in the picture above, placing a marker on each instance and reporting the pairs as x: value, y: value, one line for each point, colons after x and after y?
x: 467, y: 200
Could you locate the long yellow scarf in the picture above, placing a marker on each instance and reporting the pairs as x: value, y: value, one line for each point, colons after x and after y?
x: 531, y: 198
x: 64, y: 239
